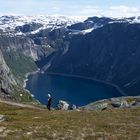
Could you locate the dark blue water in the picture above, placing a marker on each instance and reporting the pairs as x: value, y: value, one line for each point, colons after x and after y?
x: 76, y: 91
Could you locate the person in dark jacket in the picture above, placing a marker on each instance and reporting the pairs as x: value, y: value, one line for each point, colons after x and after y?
x: 49, y: 102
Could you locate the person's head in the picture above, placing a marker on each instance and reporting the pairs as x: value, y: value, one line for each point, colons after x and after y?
x: 49, y: 95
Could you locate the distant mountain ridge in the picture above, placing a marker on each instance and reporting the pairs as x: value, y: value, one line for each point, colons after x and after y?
x: 10, y: 23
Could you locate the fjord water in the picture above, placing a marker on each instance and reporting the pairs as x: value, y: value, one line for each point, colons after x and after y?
x: 76, y: 91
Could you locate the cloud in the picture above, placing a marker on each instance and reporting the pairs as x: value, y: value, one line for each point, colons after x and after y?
x: 90, y: 10
x: 122, y: 11
x: 112, y: 11
x: 70, y: 8
x: 30, y: 7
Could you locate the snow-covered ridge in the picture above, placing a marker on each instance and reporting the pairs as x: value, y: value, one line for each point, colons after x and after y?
x: 98, y: 22
x: 130, y: 20
x: 11, y: 22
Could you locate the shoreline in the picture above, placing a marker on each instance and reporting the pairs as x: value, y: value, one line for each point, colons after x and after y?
x: 88, y: 78
x: 124, y: 96
x: 72, y: 76
x: 27, y: 75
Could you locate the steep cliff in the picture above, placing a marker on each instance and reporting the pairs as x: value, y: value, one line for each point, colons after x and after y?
x: 110, y: 53
x: 6, y: 79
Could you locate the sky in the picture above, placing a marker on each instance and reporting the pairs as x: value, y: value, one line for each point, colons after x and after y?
x: 110, y: 8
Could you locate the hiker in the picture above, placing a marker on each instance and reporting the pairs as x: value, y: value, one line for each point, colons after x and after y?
x: 49, y: 102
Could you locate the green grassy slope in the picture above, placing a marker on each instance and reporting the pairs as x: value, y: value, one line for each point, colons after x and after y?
x: 33, y: 124
x: 19, y: 64
x: 22, y: 96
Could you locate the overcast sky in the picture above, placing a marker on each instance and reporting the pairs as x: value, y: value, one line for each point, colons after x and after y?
x: 113, y: 8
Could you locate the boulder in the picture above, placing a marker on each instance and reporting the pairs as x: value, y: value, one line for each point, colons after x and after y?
x: 135, y: 104
x: 63, y: 105
x: 74, y: 107
x: 120, y: 104
x: 124, y: 104
x: 97, y: 106
x: 116, y: 104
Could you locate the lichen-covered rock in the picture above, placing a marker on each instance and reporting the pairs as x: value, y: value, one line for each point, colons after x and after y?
x: 118, y: 103
x: 102, y: 106
x: 99, y: 105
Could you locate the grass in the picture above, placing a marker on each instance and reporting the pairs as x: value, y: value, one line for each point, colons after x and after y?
x: 33, y: 124
x: 21, y: 95
x: 19, y: 64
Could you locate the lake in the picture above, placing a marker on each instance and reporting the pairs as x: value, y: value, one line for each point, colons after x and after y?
x: 78, y: 91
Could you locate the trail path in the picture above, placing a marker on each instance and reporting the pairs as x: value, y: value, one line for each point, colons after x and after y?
x: 21, y: 105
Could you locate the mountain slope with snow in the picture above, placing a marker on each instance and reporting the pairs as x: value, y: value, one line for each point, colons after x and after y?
x: 9, y: 23
x: 15, y: 24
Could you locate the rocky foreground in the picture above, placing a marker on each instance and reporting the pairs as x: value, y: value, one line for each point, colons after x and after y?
x: 20, y: 122
x: 114, y: 103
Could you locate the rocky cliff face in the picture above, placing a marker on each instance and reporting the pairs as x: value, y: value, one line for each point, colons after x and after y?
x: 6, y: 78
x: 23, y: 40
x: 110, y: 53
x: 22, y: 44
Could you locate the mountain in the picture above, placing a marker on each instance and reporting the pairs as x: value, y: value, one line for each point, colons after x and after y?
x: 26, y: 24
x: 19, y: 50
x: 9, y: 86
x: 101, y: 48
x: 109, y: 52
x: 6, y: 77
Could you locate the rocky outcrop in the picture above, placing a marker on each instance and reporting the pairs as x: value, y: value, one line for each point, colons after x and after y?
x: 9, y: 85
x: 28, y: 27
x: 21, y: 44
x: 62, y: 105
x: 96, y: 106
x: 114, y: 103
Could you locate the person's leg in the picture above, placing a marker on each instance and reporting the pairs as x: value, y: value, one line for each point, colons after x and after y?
x: 49, y: 107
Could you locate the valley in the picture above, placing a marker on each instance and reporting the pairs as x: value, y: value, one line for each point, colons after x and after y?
x: 100, y: 48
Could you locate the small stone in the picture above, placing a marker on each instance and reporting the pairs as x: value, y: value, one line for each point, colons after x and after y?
x: 36, y: 118
x: 2, y: 118
x: 29, y: 133
x: 2, y: 129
